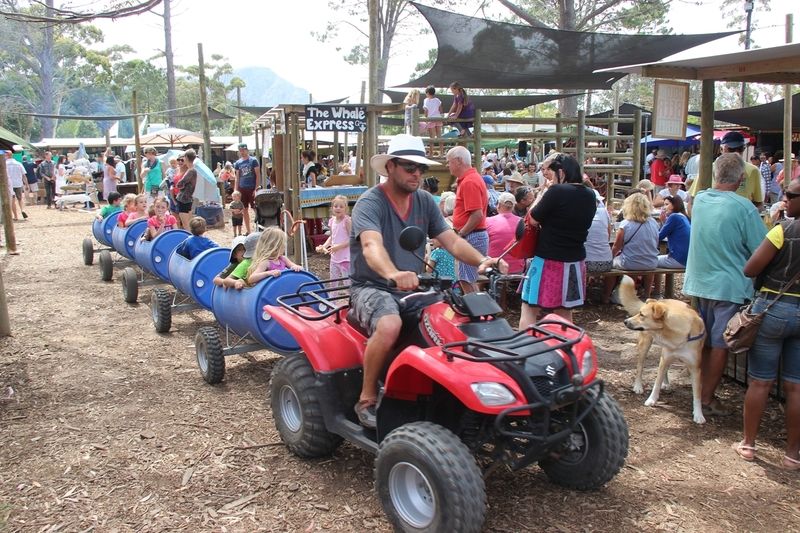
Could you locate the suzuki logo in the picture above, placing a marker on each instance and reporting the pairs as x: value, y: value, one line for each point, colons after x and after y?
x: 550, y: 371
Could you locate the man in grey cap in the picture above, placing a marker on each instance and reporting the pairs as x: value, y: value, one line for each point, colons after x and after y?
x: 750, y: 186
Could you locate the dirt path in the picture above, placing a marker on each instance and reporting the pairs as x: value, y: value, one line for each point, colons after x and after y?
x: 111, y: 428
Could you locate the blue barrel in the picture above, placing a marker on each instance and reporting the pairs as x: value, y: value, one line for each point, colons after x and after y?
x: 243, y: 311
x: 153, y: 256
x: 101, y: 229
x: 195, y: 278
x: 124, y: 239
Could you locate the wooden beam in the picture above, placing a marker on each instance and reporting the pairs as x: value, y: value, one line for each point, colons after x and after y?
x: 724, y: 72
x: 677, y: 73
x: 706, y: 135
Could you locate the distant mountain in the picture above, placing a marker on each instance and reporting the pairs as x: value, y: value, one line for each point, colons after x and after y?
x: 265, y: 88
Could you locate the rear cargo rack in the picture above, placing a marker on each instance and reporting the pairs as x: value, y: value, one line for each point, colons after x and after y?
x: 317, y: 300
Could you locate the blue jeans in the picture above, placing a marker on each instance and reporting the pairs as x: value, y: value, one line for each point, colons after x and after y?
x: 778, y: 339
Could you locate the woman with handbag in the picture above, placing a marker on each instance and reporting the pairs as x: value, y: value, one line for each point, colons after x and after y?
x: 556, y: 278
x: 778, y: 338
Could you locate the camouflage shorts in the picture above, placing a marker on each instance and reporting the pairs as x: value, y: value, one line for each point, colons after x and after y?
x: 369, y: 304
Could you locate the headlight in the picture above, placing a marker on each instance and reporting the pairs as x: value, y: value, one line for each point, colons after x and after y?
x: 587, y: 365
x: 493, y: 394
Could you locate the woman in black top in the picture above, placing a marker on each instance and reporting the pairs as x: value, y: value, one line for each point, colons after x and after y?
x: 556, y: 279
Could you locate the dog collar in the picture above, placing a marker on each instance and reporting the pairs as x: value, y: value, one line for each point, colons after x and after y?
x: 696, y: 337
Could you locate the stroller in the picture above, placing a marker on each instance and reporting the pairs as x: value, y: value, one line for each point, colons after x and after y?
x: 268, y: 208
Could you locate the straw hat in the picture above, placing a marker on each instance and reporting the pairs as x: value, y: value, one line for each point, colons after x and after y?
x: 675, y: 178
x: 516, y: 177
x: 402, y: 146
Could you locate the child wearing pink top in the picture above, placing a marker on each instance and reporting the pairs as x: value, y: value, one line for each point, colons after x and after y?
x: 161, y: 221
x: 338, y: 244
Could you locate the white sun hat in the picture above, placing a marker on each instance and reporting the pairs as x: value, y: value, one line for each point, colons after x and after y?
x: 402, y: 146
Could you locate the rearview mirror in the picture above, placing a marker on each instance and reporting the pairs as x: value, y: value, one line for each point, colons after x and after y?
x: 411, y: 238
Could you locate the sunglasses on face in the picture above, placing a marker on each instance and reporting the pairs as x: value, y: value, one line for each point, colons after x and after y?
x: 791, y: 195
x: 410, y: 166
x: 180, y: 160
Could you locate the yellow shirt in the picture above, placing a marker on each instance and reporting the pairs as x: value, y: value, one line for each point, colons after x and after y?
x: 775, y: 236
x: 750, y: 187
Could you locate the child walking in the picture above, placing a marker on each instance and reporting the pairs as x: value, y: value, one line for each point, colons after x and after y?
x: 338, y: 244
x: 237, y: 213
x: 161, y: 221
x: 268, y: 259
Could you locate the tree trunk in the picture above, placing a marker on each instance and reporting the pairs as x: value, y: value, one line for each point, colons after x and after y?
x: 172, y: 101
x: 567, y: 106
x: 48, y: 73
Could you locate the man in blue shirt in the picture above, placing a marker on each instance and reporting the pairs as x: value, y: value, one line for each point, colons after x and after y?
x: 33, y: 180
x: 726, y: 230
x: 248, y: 177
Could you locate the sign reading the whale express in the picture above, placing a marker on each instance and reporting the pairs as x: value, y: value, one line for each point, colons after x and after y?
x: 345, y: 118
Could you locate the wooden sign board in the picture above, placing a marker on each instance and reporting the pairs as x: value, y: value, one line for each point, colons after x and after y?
x: 670, y: 109
x: 347, y: 118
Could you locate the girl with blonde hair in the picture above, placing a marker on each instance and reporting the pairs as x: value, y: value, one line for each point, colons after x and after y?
x: 269, y: 258
x: 636, y: 244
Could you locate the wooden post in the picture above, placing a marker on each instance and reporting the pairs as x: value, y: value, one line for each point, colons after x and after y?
x: 258, y: 150
x: 637, y: 148
x: 559, y: 142
x: 415, y: 122
x: 5, y: 198
x: 580, y: 141
x: 239, y: 110
x: 295, y: 179
x: 787, y: 114
x: 137, y: 144
x: 360, y: 138
x: 335, y: 153
x: 5, y: 320
x: 204, y: 108
x: 476, y: 136
x: 706, y: 135
x: 371, y: 147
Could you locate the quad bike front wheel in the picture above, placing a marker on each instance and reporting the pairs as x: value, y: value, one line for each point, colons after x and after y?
x: 296, y: 407
x: 428, y: 481
x: 595, y: 452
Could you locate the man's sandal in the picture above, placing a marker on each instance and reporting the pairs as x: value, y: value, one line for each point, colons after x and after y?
x: 790, y: 464
x: 748, y: 453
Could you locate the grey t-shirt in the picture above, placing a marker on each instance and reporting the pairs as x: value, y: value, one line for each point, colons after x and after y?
x: 374, y: 211
x: 640, y: 249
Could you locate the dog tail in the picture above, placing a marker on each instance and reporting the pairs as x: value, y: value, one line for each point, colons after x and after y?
x: 627, y: 295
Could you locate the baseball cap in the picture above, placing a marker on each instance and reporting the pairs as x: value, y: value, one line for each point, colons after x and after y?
x: 487, y: 164
x: 236, y: 242
x: 732, y: 139
x: 506, y: 198
x: 250, y: 244
x: 242, y: 145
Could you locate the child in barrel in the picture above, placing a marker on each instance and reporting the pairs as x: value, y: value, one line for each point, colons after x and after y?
x: 198, y: 242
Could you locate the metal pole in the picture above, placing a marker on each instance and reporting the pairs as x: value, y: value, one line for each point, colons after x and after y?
x: 787, y: 114
x: 748, y: 8
x: 706, y: 135
x: 137, y: 144
x: 204, y: 107
x: 580, y: 141
x: 239, y: 110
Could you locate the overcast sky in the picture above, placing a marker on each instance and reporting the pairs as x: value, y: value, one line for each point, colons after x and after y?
x: 276, y: 34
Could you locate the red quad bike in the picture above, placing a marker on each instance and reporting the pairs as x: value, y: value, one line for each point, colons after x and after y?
x: 464, y: 394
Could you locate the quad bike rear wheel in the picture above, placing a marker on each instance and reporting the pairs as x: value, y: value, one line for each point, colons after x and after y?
x: 595, y: 452
x: 87, y: 247
x: 428, y: 481
x: 296, y: 407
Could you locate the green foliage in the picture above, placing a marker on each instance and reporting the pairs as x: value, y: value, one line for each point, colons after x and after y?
x: 733, y: 11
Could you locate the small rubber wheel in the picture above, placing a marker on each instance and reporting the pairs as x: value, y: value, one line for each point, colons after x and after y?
x: 130, y: 285
x: 428, y: 480
x: 296, y: 399
x: 88, y: 251
x: 106, y: 265
x: 210, y: 358
x: 161, y: 309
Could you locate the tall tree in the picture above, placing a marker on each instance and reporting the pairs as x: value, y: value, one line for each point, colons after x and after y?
x: 49, y: 60
x: 397, y: 18
x: 172, y: 100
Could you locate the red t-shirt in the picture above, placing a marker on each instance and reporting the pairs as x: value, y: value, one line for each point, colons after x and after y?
x: 660, y: 171
x: 471, y: 195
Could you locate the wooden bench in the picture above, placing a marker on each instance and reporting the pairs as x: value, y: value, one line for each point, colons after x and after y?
x: 669, y: 276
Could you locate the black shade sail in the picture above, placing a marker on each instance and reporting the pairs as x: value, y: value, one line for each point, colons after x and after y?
x: 486, y: 102
x: 213, y: 114
x: 628, y: 109
x: 480, y: 53
x: 765, y: 117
